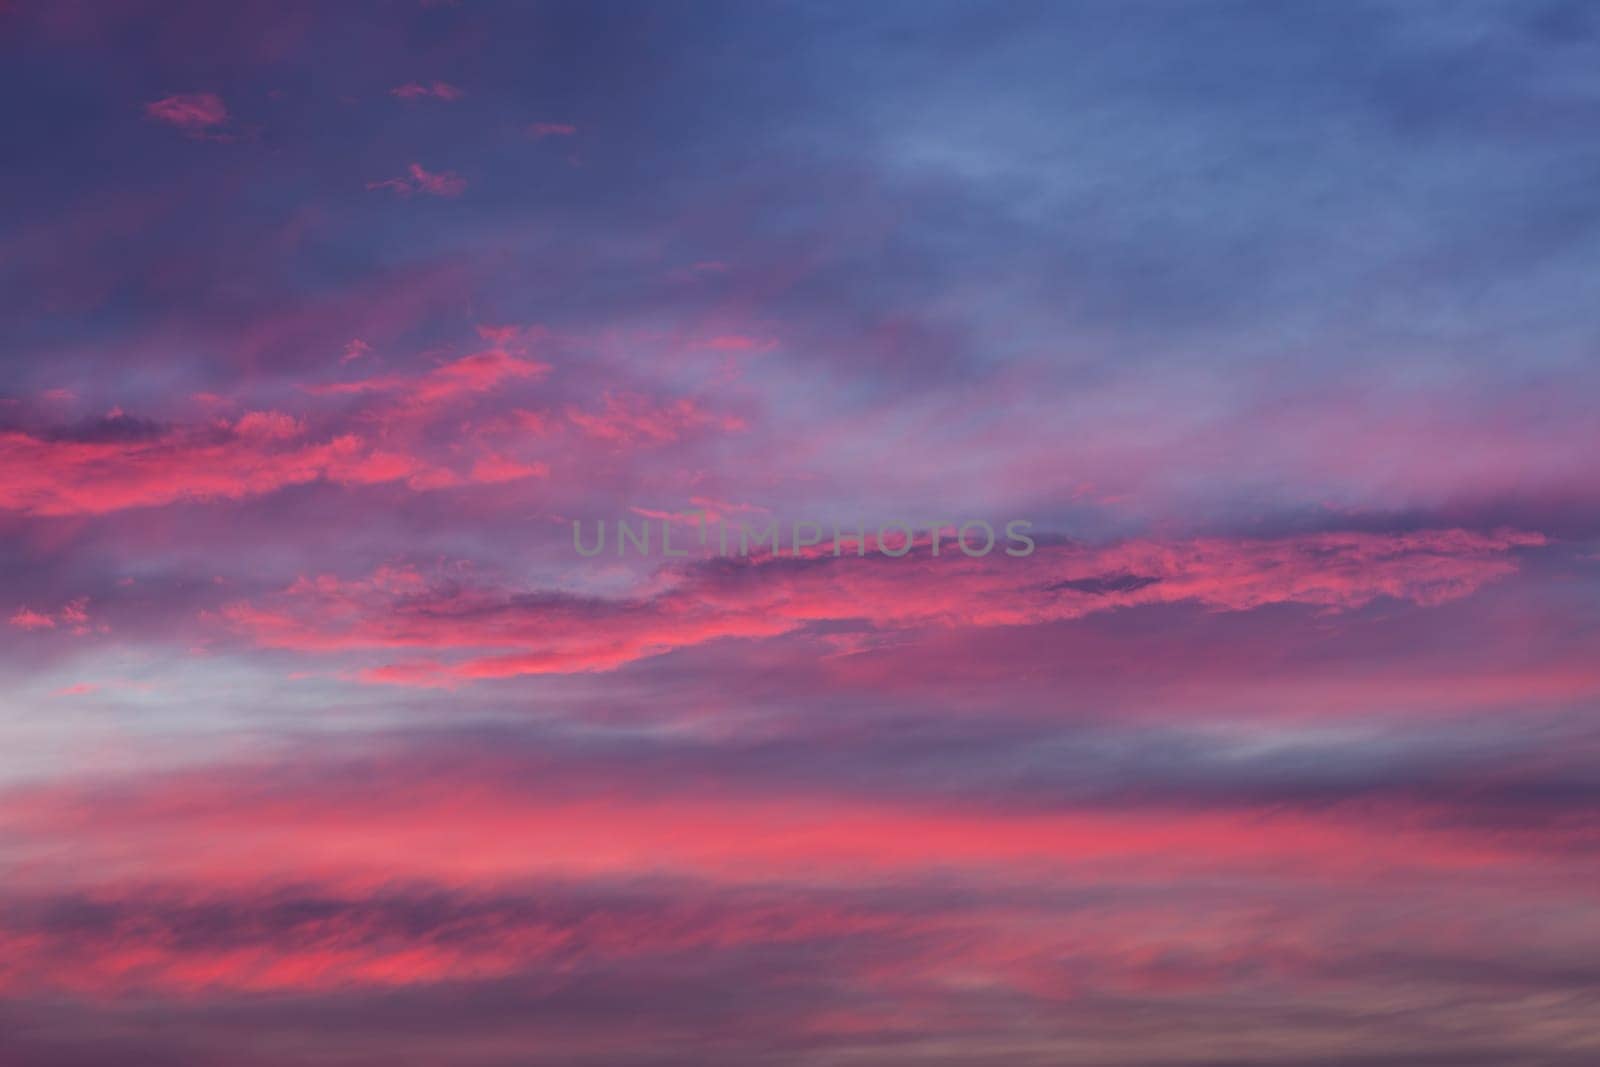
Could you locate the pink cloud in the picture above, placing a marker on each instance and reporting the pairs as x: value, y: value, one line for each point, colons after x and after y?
x: 1332, y: 572
x: 739, y: 343
x: 358, y: 948
x: 435, y: 90
x: 378, y: 437
x: 421, y: 180
x: 258, y: 453
x: 28, y: 619
x: 458, y: 865
x: 190, y: 111
x: 541, y: 130
x: 632, y: 419
x: 495, y: 468
x: 72, y: 615
x: 470, y: 823
x: 478, y: 372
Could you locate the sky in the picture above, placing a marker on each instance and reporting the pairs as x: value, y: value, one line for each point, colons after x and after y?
x: 1273, y: 324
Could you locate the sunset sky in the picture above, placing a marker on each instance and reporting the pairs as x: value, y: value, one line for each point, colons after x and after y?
x: 321, y: 324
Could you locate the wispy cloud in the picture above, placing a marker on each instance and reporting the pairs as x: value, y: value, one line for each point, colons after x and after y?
x: 189, y: 111
x: 419, y: 179
x: 413, y: 91
x: 534, y: 632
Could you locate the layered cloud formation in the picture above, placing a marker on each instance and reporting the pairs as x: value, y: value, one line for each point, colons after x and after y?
x: 324, y: 324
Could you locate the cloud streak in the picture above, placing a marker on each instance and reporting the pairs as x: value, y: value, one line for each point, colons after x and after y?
x: 769, y: 597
